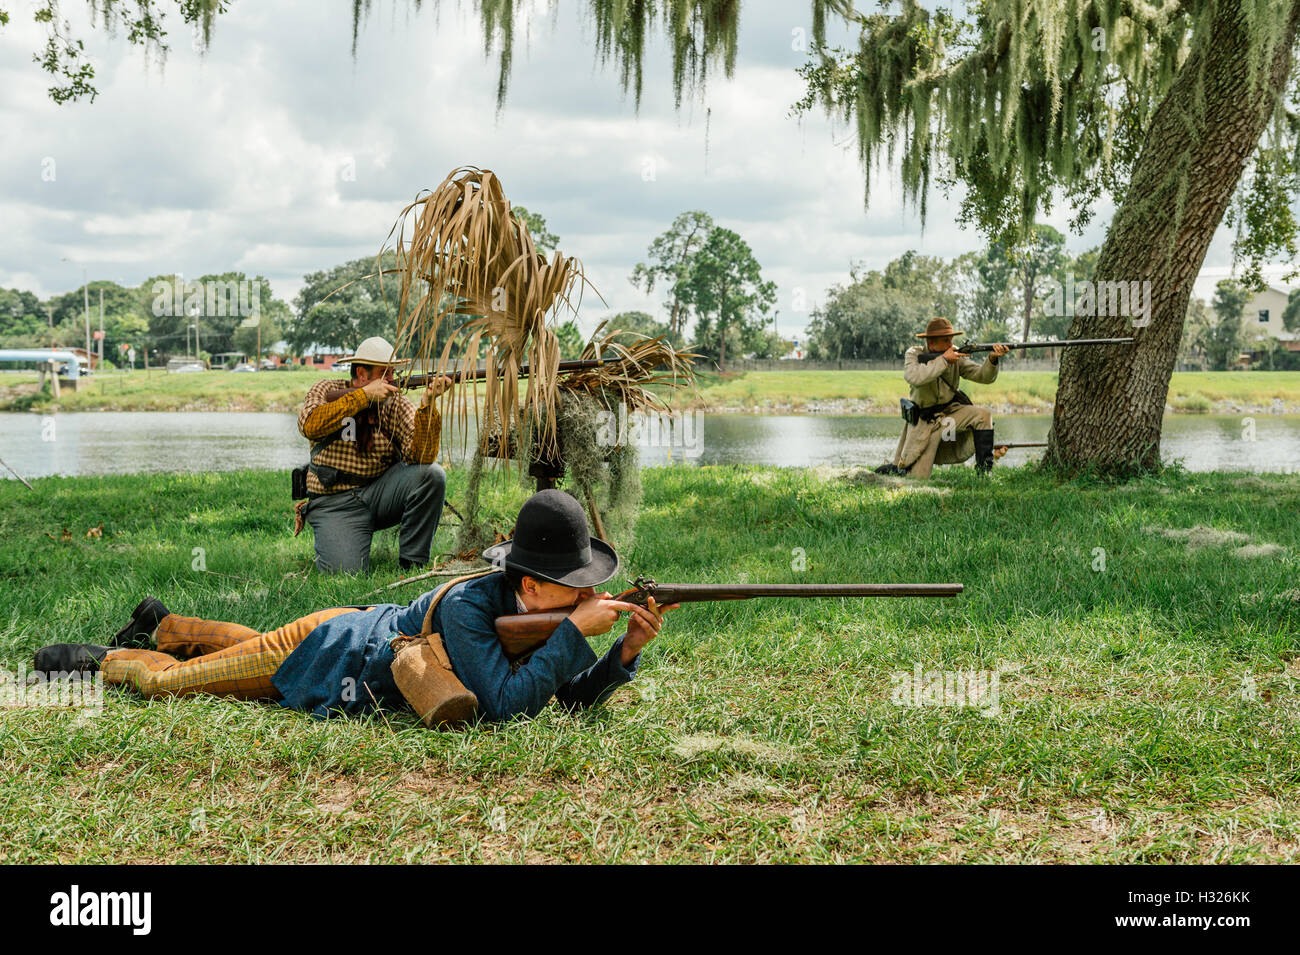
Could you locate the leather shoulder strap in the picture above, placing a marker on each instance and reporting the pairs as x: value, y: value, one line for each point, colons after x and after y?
x: 427, y: 628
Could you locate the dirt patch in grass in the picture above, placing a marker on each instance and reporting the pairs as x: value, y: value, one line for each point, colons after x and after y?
x: 693, y: 747
x: 963, y: 828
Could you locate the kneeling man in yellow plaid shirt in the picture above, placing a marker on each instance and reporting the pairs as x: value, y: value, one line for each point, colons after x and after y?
x: 372, y: 463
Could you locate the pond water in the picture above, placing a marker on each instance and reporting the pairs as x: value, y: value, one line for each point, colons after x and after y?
x: 108, y: 442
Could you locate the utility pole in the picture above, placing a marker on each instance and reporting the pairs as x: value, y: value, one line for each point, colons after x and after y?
x: 101, y: 328
x: 194, y: 313
x: 85, y: 296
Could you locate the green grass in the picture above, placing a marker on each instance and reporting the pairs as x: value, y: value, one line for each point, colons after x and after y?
x: 1148, y: 711
x: 864, y: 392
x: 773, y: 392
x: 162, y: 391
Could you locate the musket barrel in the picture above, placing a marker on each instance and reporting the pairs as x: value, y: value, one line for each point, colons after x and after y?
x: 1066, y: 343
x: 478, y: 374
x: 972, y: 348
x: 520, y: 633
x: 691, y: 593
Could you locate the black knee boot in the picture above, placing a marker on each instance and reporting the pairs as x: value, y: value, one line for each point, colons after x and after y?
x: 983, y: 450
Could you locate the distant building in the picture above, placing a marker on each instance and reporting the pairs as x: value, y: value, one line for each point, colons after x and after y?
x: 1263, y: 318
x: 89, y: 360
x: 320, y: 357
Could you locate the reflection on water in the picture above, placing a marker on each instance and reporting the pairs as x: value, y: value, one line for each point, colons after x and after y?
x: 124, y: 442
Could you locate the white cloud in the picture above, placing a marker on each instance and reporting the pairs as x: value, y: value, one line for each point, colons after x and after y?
x: 277, y: 153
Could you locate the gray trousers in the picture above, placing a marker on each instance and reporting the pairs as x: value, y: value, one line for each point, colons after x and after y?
x: 409, y: 494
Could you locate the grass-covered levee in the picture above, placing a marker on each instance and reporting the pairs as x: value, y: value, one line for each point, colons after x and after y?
x: 1117, y: 683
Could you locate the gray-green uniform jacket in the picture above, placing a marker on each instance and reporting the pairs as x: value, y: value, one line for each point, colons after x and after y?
x: 936, y: 383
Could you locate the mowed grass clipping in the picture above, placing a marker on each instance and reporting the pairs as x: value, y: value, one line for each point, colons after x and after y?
x: 1147, y: 710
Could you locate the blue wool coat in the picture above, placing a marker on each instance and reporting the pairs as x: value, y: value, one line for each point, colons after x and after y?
x: 345, y: 663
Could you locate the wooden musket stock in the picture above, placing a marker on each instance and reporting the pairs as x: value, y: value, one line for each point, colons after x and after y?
x: 522, y: 633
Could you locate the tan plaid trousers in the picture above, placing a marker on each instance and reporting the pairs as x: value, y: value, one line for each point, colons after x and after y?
x: 227, y: 659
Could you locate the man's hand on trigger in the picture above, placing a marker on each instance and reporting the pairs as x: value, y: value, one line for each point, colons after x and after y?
x: 642, y: 628
x: 435, y: 388
x: 598, y: 613
x: 952, y: 355
x: 379, y: 390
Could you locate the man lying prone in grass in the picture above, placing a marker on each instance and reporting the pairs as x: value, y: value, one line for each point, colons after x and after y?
x: 340, y: 659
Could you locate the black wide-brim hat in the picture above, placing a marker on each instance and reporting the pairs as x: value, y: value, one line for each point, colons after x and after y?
x: 552, y: 542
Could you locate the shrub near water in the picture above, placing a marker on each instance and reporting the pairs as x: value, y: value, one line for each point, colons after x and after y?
x: 1147, y: 706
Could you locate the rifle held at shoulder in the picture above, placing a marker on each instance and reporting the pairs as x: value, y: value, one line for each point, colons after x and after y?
x: 521, y: 633
x: 478, y: 374
x: 971, y: 348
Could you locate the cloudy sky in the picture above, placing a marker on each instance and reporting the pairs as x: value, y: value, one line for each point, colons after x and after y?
x: 276, y: 152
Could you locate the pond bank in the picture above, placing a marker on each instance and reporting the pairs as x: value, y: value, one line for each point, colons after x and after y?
x: 755, y: 392
x: 121, y: 442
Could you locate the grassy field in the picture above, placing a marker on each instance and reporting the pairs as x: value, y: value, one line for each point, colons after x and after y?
x: 865, y: 392
x: 161, y: 391
x: 771, y: 392
x: 1146, y: 702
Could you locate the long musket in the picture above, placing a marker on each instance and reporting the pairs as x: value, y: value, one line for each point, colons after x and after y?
x: 521, y: 633
x: 478, y: 374
x: 17, y: 475
x: 971, y: 348
x: 1019, y: 444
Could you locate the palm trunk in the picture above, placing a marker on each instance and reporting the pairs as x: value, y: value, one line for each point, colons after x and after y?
x: 1111, y: 400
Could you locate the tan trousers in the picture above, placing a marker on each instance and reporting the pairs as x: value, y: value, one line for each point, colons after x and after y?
x: 964, y: 417
x: 229, y: 659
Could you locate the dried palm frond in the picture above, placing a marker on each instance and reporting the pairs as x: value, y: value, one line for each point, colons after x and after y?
x: 472, y: 263
x: 646, y: 361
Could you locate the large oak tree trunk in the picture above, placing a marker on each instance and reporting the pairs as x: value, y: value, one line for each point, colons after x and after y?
x: 1111, y: 399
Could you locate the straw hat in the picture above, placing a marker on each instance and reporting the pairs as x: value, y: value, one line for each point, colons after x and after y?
x: 375, y: 351
x: 939, y: 328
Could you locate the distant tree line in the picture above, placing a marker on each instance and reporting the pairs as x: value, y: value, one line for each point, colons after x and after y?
x: 716, y: 302
x: 1011, y: 293
x: 168, y: 315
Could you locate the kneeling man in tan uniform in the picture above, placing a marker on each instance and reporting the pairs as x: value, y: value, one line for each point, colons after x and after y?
x: 949, y: 428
